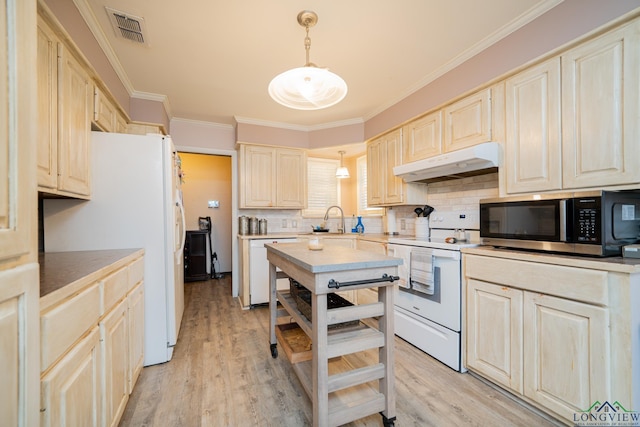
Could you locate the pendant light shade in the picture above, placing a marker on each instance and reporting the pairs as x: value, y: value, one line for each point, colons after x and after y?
x: 309, y: 87
x: 342, y: 171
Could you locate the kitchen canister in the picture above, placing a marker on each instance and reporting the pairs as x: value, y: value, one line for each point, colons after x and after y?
x: 262, y: 226
x: 254, y: 225
x: 422, y: 228
x: 243, y: 225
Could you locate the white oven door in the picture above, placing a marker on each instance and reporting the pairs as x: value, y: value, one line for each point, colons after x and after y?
x: 441, y: 304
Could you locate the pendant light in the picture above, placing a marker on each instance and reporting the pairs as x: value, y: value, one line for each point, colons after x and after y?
x: 342, y: 171
x: 309, y: 87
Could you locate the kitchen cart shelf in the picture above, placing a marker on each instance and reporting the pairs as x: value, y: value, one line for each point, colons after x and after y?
x: 342, y: 378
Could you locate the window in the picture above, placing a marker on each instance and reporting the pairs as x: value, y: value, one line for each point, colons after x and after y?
x: 363, y: 209
x: 323, y: 188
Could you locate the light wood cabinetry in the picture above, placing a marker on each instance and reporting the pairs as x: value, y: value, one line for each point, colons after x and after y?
x: 570, y: 123
x: 383, y: 187
x: 272, y: 177
x: 422, y: 137
x: 548, y: 332
x: 533, y: 151
x: 70, y: 392
x: 92, y: 347
x: 369, y: 295
x: 600, y: 126
x: 467, y: 122
x: 19, y: 291
x: 142, y: 128
x: 104, y: 112
x: 65, y: 94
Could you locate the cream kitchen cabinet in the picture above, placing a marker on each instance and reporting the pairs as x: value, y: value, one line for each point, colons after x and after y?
x: 467, y: 122
x: 92, y: 335
x: 550, y: 332
x: 66, y: 107
x: 533, y: 150
x: 105, y: 114
x: 71, y: 391
x: 422, y: 138
x: 383, y: 187
x: 600, y: 126
x: 19, y: 292
x: 142, y: 128
x: 272, y: 177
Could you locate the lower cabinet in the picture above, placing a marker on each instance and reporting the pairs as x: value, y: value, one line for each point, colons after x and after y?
x: 88, y: 382
x: 71, y: 391
x: 553, y: 351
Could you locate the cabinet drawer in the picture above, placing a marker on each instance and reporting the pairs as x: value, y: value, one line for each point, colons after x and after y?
x: 136, y: 272
x: 64, y: 324
x: 114, y: 288
x: 568, y: 282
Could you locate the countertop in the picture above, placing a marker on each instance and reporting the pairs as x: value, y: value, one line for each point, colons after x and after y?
x: 383, y: 238
x: 336, y: 259
x: 614, y: 264
x: 62, y: 273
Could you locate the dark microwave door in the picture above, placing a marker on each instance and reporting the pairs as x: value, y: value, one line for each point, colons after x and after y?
x: 623, y: 224
x: 526, y: 220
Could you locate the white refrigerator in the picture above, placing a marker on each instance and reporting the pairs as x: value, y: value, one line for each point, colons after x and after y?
x: 136, y: 202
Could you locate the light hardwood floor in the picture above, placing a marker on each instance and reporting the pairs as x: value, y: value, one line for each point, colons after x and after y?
x: 222, y: 374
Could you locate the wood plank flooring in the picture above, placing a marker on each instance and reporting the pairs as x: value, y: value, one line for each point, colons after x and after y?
x: 222, y: 374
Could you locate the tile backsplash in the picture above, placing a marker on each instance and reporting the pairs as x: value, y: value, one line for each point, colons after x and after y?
x: 444, y: 196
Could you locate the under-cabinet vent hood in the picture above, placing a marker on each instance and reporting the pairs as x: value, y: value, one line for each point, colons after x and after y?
x: 479, y: 159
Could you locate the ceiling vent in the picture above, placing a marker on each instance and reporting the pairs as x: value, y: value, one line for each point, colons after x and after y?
x: 128, y: 26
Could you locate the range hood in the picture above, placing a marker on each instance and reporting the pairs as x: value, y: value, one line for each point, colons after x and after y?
x: 479, y: 159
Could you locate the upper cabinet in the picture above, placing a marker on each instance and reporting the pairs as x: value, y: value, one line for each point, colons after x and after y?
x: 422, y: 138
x: 601, y: 110
x: 65, y: 93
x: 106, y: 115
x: 383, y: 187
x: 533, y: 154
x: 468, y: 122
x: 272, y: 177
x: 570, y: 120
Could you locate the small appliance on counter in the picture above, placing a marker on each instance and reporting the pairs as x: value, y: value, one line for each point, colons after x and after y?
x: 597, y: 223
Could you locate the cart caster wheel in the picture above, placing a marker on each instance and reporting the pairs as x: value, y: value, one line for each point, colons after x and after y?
x: 388, y: 422
x: 274, y: 350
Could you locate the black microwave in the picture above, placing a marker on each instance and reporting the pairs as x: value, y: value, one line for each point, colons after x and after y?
x: 597, y: 223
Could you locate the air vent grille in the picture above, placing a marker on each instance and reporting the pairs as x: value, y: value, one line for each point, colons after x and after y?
x: 128, y: 26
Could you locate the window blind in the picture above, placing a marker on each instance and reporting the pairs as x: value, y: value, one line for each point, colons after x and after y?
x: 323, y: 187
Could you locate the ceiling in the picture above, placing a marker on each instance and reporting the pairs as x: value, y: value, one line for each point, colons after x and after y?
x: 214, y: 59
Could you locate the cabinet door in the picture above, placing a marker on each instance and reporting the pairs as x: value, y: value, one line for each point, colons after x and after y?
x: 494, y: 333
x: 600, y: 126
x: 533, y: 154
x: 393, y: 185
x: 422, y: 138
x: 376, y: 164
x: 468, y: 121
x: 291, y: 179
x: 71, y: 393
x: 47, y: 148
x: 135, y: 303
x: 19, y: 358
x: 566, y: 353
x: 114, y: 336
x: 258, y: 174
x: 75, y: 96
x: 104, y: 113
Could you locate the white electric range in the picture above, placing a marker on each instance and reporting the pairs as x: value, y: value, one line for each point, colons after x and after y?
x: 429, y: 293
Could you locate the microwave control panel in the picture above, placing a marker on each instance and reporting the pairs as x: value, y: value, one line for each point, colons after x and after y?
x: 587, y: 220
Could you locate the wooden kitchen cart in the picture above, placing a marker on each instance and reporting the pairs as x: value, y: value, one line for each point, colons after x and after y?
x: 342, y: 386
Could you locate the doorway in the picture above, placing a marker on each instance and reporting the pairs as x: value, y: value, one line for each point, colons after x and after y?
x: 207, y: 192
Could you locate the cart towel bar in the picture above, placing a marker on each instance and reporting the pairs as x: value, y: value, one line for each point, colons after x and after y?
x: 385, y: 278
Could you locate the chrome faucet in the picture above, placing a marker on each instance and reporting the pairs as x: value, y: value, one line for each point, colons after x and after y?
x: 326, y: 217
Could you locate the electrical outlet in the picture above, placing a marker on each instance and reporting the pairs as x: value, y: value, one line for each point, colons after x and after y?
x: 284, y: 223
x: 403, y: 224
x: 214, y: 203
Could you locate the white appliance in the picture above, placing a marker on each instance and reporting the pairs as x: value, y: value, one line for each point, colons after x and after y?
x: 428, y: 298
x: 259, y: 271
x: 136, y: 202
x: 464, y: 162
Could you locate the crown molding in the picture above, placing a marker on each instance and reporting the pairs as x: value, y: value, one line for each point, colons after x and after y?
x: 203, y: 123
x: 483, y: 44
x: 289, y: 126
